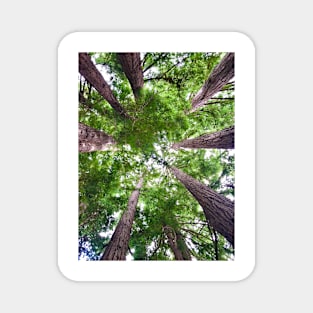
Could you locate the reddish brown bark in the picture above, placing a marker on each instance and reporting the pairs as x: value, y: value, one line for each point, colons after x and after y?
x: 218, y: 210
x: 118, y: 245
x: 94, y: 77
x: 90, y: 139
x: 224, y: 139
x: 177, y: 244
x: 219, y: 77
x: 183, y: 246
x: 131, y: 66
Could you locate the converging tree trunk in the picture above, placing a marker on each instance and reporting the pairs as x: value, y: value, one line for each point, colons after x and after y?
x: 88, y: 69
x: 131, y: 66
x: 219, y: 77
x: 118, y: 245
x: 90, y: 139
x: 218, y: 210
x: 183, y: 246
x: 224, y: 139
x: 177, y: 244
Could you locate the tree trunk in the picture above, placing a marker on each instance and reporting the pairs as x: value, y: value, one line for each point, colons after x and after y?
x: 224, y: 139
x: 218, y: 210
x: 90, y: 139
x: 118, y: 245
x: 219, y: 77
x: 94, y: 77
x: 131, y: 66
x: 177, y: 244
x: 182, y: 246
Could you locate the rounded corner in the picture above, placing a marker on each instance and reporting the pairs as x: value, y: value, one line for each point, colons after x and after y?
x: 246, y: 38
x: 248, y: 273
x: 64, y: 274
x: 66, y: 39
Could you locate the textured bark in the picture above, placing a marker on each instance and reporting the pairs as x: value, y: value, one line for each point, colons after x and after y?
x: 172, y: 241
x: 218, y: 210
x: 94, y: 77
x: 219, y: 77
x: 177, y: 244
x: 224, y: 139
x: 118, y: 245
x: 182, y: 246
x: 90, y: 139
x: 131, y: 66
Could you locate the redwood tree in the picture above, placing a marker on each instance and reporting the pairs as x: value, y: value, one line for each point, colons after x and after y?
x: 224, y: 139
x: 219, y: 77
x: 90, y: 139
x: 118, y: 245
x: 177, y: 244
x: 88, y: 69
x: 158, y: 120
x: 218, y: 210
x: 131, y: 66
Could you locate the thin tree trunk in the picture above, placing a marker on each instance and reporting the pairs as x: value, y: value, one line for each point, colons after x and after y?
x: 90, y: 139
x: 182, y: 246
x: 94, y: 77
x: 118, y: 245
x: 172, y: 241
x: 131, y: 66
x: 219, y: 77
x: 177, y: 244
x: 224, y: 139
x: 218, y: 210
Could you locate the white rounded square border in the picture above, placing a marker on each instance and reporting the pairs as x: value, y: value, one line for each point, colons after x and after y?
x: 243, y: 264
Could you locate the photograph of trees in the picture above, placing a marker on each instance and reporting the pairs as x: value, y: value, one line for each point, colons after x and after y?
x: 156, y: 156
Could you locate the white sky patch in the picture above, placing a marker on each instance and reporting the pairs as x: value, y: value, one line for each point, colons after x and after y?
x: 129, y: 257
x: 137, y: 158
x: 172, y: 151
x: 127, y: 147
x: 109, y: 233
x: 102, y: 69
x: 104, y: 234
x: 141, y: 206
x: 158, y: 149
x: 208, y: 154
x: 151, y: 248
x: 206, y: 181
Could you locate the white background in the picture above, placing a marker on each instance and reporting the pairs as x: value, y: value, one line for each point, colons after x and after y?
x: 30, y: 34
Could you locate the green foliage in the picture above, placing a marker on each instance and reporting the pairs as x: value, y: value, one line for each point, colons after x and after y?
x: 158, y: 119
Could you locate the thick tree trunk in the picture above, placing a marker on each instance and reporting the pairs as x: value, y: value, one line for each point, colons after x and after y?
x: 224, y: 139
x: 218, y: 210
x: 118, y: 245
x: 219, y: 77
x: 90, y: 139
x: 94, y: 77
x: 131, y: 66
x: 177, y: 244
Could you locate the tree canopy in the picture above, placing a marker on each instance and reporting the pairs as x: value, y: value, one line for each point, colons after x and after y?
x: 135, y: 112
